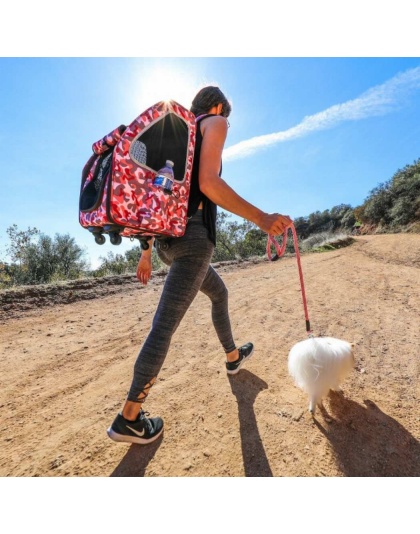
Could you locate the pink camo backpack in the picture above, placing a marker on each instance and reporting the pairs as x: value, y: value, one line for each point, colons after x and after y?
x: 120, y: 195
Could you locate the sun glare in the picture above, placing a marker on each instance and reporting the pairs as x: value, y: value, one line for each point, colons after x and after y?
x: 165, y: 83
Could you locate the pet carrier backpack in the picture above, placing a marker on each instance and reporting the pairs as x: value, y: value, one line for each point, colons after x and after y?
x: 122, y: 192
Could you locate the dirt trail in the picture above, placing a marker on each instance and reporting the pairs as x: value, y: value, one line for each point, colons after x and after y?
x: 66, y: 357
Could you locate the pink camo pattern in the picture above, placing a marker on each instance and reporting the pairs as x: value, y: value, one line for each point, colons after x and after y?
x: 109, y: 140
x: 135, y: 203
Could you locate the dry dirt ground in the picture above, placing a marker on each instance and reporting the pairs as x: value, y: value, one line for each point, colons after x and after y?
x: 67, y: 352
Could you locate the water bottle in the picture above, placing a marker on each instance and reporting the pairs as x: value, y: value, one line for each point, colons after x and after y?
x: 165, y: 177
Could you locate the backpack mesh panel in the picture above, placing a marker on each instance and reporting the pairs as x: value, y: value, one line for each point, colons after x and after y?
x: 138, y: 152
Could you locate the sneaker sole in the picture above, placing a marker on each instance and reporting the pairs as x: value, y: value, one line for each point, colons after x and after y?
x: 241, y: 364
x: 122, y: 438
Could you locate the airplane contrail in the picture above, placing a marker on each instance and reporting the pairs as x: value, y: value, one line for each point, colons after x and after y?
x: 378, y: 100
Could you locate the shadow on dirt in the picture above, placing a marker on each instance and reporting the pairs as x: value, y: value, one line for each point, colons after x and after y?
x: 135, y: 462
x: 246, y: 386
x: 367, y: 442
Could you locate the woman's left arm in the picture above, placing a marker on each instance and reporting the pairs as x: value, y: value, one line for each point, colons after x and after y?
x: 214, y: 131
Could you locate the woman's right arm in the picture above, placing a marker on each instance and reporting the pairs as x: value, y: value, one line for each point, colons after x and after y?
x: 214, y: 131
x: 144, y: 267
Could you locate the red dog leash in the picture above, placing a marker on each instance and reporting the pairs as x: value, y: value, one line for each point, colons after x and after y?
x: 280, y: 249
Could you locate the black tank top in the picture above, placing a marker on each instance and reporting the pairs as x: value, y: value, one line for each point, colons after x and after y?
x: 196, y: 196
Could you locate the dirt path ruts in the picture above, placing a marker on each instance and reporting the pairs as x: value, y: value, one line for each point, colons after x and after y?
x: 65, y: 366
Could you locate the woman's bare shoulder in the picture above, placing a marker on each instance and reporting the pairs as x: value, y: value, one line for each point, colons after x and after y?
x: 214, y: 123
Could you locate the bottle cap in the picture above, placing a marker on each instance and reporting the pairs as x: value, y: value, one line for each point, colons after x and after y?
x: 169, y: 163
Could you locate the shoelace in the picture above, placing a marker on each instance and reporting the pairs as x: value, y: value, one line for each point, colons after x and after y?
x: 144, y: 417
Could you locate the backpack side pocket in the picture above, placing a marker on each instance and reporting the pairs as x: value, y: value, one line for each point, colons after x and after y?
x: 92, y: 192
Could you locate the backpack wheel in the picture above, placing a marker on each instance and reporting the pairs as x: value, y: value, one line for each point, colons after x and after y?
x: 115, y: 239
x: 100, y: 239
x: 144, y: 243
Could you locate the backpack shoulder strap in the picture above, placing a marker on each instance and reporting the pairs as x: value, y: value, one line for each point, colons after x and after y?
x: 203, y: 116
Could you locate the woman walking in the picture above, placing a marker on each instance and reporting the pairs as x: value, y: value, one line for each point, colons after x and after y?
x: 190, y: 271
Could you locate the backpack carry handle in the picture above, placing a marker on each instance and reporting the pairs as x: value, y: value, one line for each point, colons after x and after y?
x: 109, y: 141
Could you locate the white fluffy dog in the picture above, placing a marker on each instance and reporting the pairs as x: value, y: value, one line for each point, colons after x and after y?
x: 319, y: 364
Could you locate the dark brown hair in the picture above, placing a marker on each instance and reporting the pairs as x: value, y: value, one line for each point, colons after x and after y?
x: 208, y: 97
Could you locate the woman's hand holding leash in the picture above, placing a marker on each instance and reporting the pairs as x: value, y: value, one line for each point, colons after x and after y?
x: 274, y: 223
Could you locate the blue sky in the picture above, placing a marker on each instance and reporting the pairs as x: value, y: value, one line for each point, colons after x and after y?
x: 306, y: 133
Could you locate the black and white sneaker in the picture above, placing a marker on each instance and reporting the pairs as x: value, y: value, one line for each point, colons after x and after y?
x: 245, y: 353
x: 141, y: 431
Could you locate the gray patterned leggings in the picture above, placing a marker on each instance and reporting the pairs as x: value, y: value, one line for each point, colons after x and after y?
x: 190, y: 272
